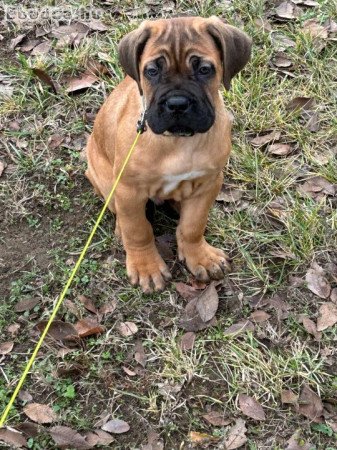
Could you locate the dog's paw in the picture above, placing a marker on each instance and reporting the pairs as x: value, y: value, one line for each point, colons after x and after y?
x: 204, y: 261
x: 147, y: 269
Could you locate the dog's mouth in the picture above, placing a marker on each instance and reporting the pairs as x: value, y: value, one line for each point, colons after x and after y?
x: 178, y: 130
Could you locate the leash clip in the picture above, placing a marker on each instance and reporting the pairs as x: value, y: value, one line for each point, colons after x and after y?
x: 141, y: 123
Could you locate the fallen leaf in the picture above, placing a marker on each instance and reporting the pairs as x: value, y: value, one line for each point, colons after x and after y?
x: 14, y: 328
x: 85, y: 81
x: 88, y: 303
x: 95, y: 67
x: 327, y: 317
x: 66, y: 437
x: 43, y: 30
x: 41, y: 49
x: 88, y: 327
x: 281, y: 42
x: 297, y: 103
x: 16, y: 41
x: 229, y: 195
x: 6, y: 347
x: 251, y: 407
x: 187, y: 341
x: 153, y: 442
x: 236, y: 435
x: 240, y: 327
x: 201, y: 438
x: 287, y: 10
x: 129, y: 372
x: 58, y: 330
x: 75, y: 28
x: 185, y: 290
x: 310, y: 404
x: 127, y: 328
x: 317, y: 282
x: 333, y: 297
x: 25, y: 396
x: 281, y: 60
x: 108, y: 308
x: 13, y: 438
x: 259, y: 316
x: 263, y: 24
x: 313, y: 123
x: 97, y: 25
x: 191, y: 320
x: 317, y: 188
x: 40, y: 413
x: 288, y: 397
x: 43, y: 76
x: 30, y: 429
x: 140, y: 355
x: 297, y: 443
x: 314, y: 29
x: 207, y: 303
x: 2, y: 168
x: 29, y: 45
x: 116, y: 426
x: 26, y: 304
x: 258, y: 141
x: 311, y: 328
x: 216, y: 419
x: 279, y: 149
x: 98, y: 437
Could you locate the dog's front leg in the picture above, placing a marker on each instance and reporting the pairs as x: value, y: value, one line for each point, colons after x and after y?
x: 203, y: 260
x: 143, y: 263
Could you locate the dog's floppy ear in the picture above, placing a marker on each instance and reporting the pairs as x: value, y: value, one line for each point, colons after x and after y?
x: 234, y: 45
x: 130, y: 50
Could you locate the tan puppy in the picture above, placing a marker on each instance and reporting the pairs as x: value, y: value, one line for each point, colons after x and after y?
x: 175, y: 67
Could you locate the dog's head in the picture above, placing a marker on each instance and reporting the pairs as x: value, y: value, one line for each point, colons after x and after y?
x: 179, y: 65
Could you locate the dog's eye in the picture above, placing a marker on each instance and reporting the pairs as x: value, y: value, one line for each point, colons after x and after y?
x: 151, y: 72
x: 205, y: 70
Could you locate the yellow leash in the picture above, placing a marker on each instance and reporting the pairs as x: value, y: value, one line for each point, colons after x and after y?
x: 64, y: 292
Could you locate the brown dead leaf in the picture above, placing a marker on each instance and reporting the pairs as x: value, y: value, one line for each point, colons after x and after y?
x: 25, y: 396
x: 327, y: 317
x: 207, y: 303
x: 297, y: 443
x: 259, y: 316
x: 236, y: 435
x: 85, y: 81
x: 29, y: 45
x: 259, y: 141
x: 288, y: 397
x: 311, y: 327
x: 97, y: 25
x: 58, y: 330
x: 2, y: 168
x: 333, y: 297
x: 288, y: 10
x: 216, y: 419
x: 41, y: 49
x: 14, y: 328
x: 317, y: 188
x: 127, y: 328
x: 26, y: 304
x: 108, y: 308
x: 310, y: 404
x: 281, y: 42
x: 98, y: 437
x: 238, y: 328
x: 43, y: 76
x: 251, y: 407
x: 313, y: 123
x: 66, y: 437
x: 191, y: 320
x: 88, y: 327
x: 40, y: 413
x: 201, y: 438
x: 116, y: 426
x: 75, y: 28
x: 55, y: 141
x: 88, y: 304
x: 185, y: 290
x: 153, y: 442
x: 282, y: 60
x: 187, y: 341
x: 279, y: 149
x: 317, y: 282
x: 129, y: 372
x: 263, y: 24
x: 229, y: 195
x: 6, y: 347
x: 16, y: 41
x: 96, y: 68
x: 297, y: 103
x: 30, y: 429
x: 13, y: 438
x: 140, y: 355
x: 314, y: 29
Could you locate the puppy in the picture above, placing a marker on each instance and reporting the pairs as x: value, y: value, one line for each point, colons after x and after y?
x: 175, y: 68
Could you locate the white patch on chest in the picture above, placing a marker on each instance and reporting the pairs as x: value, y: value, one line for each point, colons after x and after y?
x: 171, y: 182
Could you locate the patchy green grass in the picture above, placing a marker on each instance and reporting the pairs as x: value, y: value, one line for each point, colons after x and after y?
x: 48, y: 209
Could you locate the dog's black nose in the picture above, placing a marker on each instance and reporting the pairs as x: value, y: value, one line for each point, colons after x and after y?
x: 177, y: 104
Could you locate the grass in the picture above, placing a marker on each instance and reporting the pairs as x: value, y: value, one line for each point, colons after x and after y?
x: 47, y: 211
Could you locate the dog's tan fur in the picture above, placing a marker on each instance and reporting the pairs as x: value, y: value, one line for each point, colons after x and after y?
x: 159, y: 157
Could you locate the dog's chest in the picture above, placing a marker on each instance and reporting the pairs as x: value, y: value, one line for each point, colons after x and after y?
x: 171, y: 182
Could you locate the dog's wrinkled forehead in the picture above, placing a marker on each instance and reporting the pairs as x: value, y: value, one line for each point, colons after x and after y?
x: 177, y: 39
